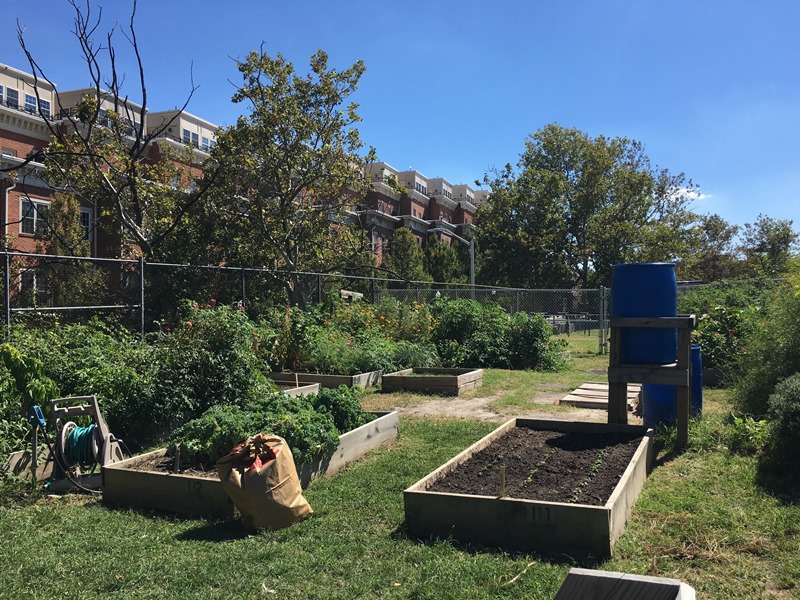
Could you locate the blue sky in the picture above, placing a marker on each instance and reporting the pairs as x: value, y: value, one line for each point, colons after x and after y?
x: 452, y: 89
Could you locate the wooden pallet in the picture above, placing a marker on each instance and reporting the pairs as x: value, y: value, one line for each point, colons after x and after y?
x: 595, y: 395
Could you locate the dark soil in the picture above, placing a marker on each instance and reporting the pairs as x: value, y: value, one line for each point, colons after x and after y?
x: 545, y: 465
x: 166, y: 464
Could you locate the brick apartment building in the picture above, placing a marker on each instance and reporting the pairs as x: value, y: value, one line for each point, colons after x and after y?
x: 397, y: 199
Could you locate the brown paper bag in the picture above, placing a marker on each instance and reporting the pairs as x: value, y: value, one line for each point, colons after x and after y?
x: 261, y: 480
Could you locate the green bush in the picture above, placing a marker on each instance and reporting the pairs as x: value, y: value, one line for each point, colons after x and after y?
x: 212, y: 435
x: 96, y: 359
x: 531, y: 344
x: 783, y: 440
x: 344, y: 406
x: 772, y: 353
x: 470, y: 334
x: 211, y: 357
x: 722, y: 334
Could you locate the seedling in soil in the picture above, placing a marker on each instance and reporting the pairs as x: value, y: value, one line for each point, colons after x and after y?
x: 539, y: 465
x: 598, y: 462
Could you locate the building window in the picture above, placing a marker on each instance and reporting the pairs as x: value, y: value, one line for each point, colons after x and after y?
x: 195, y: 140
x: 44, y: 108
x: 86, y: 223
x: 421, y: 188
x: 186, y: 137
x: 34, y: 217
x: 1, y: 95
x: 212, y: 144
x: 9, y: 152
x: 12, y: 97
x: 36, y: 285
x: 204, y: 145
x: 374, y: 241
x: 30, y: 104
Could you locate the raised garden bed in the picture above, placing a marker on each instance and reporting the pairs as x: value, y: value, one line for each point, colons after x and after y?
x: 362, y: 380
x: 202, y: 493
x: 293, y: 390
x: 433, y: 380
x: 569, y: 488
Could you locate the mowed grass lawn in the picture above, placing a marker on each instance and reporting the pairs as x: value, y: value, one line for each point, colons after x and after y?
x: 700, y: 518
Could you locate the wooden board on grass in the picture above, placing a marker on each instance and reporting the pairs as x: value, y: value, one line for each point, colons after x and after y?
x: 595, y: 395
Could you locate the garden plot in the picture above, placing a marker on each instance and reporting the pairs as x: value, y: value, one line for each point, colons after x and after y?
x: 146, y: 481
x: 360, y: 380
x: 544, y: 486
x: 433, y: 380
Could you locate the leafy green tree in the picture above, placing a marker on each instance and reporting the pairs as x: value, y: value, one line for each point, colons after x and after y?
x: 73, y: 283
x: 291, y: 169
x: 714, y: 256
x: 442, y: 262
x: 574, y: 206
x: 101, y: 151
x: 406, y: 259
x: 768, y: 244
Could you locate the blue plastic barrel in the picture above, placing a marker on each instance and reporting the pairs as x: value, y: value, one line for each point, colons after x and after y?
x: 659, y: 404
x: 697, y: 382
x: 645, y: 290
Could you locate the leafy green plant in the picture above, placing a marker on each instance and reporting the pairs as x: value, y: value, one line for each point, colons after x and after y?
x: 722, y: 334
x: 783, y: 438
x: 746, y: 435
x: 344, y: 406
x: 771, y: 350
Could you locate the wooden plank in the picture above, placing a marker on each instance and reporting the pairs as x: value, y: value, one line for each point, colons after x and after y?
x: 588, y: 584
x: 353, y: 445
x: 618, y: 402
x: 681, y: 322
x: 648, y: 374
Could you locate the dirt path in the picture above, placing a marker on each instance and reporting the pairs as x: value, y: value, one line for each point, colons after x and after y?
x: 479, y: 409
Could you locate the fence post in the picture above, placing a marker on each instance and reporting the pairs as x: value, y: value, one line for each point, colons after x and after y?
x: 319, y: 288
x: 372, y: 289
x: 7, y: 293
x: 244, y: 291
x: 141, y: 296
x: 603, y: 320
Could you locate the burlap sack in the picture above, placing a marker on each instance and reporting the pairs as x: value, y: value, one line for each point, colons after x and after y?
x: 261, y: 480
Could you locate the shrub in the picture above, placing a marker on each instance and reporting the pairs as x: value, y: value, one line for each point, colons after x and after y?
x: 722, y: 333
x: 783, y: 439
x: 212, y: 435
x: 344, y: 406
x: 531, y: 344
x: 96, y: 359
x: 211, y: 357
x: 771, y: 351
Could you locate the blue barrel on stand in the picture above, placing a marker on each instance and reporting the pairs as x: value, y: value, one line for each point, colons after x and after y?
x: 645, y: 290
x: 697, y: 382
x: 659, y: 404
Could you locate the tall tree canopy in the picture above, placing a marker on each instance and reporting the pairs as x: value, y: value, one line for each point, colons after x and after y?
x: 574, y: 206
x: 768, y: 244
x: 291, y: 168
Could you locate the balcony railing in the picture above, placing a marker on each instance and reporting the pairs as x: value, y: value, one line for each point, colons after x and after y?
x: 27, y: 110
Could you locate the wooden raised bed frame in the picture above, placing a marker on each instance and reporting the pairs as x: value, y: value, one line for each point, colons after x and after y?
x: 199, y: 496
x: 362, y: 380
x: 529, y: 525
x: 450, y: 382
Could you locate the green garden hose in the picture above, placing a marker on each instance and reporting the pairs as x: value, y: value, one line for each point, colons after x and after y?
x: 79, y: 447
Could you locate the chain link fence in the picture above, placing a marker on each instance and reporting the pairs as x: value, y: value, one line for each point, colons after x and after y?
x: 145, y: 296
